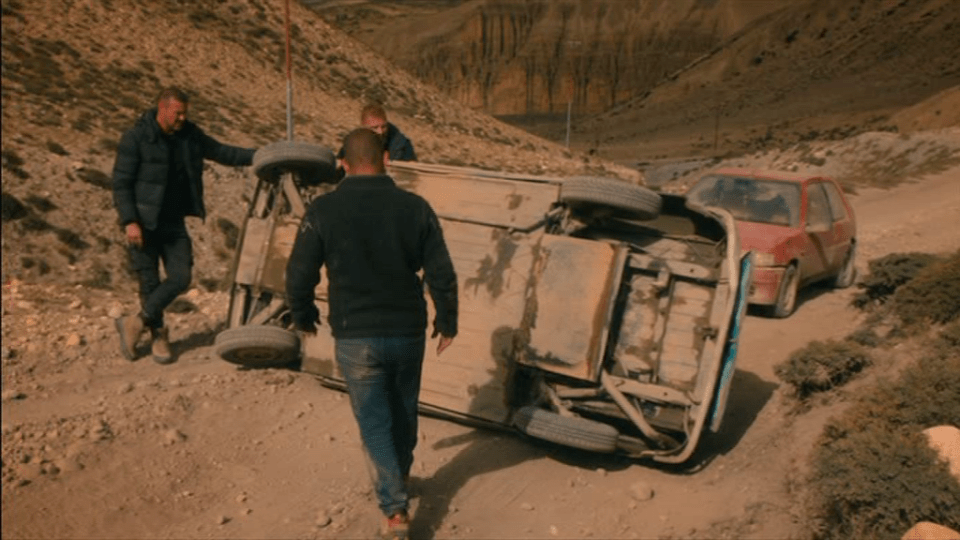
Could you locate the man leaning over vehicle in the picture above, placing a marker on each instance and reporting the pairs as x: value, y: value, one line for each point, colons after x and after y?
x: 157, y: 183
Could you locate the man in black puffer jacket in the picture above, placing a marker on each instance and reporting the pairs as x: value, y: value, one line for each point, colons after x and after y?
x: 157, y: 182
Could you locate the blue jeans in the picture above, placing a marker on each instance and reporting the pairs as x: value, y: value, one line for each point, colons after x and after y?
x: 169, y: 243
x: 383, y: 380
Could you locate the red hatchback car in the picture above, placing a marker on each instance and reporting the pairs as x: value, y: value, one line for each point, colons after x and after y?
x: 800, y: 228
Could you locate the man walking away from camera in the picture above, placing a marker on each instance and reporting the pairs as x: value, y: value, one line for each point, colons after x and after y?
x: 374, y: 238
x: 157, y: 182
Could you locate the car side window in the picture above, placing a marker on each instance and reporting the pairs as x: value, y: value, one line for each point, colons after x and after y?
x: 818, y: 209
x: 835, y: 199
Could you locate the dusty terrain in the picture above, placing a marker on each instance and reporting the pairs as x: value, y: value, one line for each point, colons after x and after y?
x: 94, y: 446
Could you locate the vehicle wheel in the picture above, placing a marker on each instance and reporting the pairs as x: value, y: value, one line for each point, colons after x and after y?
x: 626, y: 200
x: 787, y: 298
x: 314, y: 164
x: 848, y: 273
x: 257, y: 346
x: 568, y: 431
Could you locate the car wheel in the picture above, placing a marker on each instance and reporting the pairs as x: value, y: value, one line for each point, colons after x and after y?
x: 314, y: 164
x: 787, y: 298
x: 569, y: 431
x: 848, y: 273
x: 257, y: 346
x: 625, y: 199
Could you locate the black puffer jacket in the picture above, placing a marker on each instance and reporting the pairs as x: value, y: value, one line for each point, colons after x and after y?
x: 399, y: 146
x: 140, y: 172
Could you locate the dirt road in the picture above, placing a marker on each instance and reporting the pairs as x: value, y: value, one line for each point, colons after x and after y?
x: 94, y: 446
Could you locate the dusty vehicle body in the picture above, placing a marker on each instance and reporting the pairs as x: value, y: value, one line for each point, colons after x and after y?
x: 800, y: 228
x: 578, y: 325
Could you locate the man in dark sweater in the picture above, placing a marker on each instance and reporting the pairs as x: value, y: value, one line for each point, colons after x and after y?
x: 374, y: 238
x: 157, y: 182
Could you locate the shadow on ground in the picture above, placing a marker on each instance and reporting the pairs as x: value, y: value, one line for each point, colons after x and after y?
x: 749, y: 394
x: 487, y: 451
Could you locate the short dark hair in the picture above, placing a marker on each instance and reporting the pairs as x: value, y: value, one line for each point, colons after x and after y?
x: 373, y: 109
x: 175, y: 93
x: 363, y: 146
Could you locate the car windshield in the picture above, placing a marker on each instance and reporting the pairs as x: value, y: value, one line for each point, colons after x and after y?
x: 750, y: 199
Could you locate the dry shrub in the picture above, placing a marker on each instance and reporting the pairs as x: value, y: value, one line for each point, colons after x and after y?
x: 41, y: 265
x: 211, y: 284
x: 12, y: 208
x: 11, y: 161
x: 57, y: 148
x: 42, y: 204
x: 887, y: 274
x: 873, y: 472
x: 99, y: 278
x: 865, y: 336
x: 182, y: 305
x: 822, y: 365
x: 71, y: 239
x: 34, y: 223
x: 949, y: 341
x: 96, y: 178
x: 231, y: 233
x: 932, y: 296
x: 877, y: 484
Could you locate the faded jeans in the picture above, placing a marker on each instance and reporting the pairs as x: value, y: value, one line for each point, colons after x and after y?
x: 383, y: 380
x: 169, y: 243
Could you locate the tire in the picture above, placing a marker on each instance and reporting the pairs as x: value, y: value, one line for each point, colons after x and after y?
x: 787, y: 297
x: 848, y: 272
x: 314, y: 164
x: 257, y: 346
x: 626, y: 200
x: 574, y: 432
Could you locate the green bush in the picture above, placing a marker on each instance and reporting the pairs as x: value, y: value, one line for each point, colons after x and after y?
x: 932, y: 296
x: 873, y: 472
x: 822, y: 365
x: 887, y: 274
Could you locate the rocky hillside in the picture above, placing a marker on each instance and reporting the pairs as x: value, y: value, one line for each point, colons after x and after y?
x: 534, y: 57
x: 819, y: 69
x: 76, y: 73
x: 679, y: 78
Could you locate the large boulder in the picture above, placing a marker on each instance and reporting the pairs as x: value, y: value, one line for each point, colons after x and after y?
x: 946, y: 441
x: 930, y: 531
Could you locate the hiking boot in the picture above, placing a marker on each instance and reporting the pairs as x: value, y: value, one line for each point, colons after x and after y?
x: 161, y: 346
x: 396, y: 527
x: 130, y: 329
